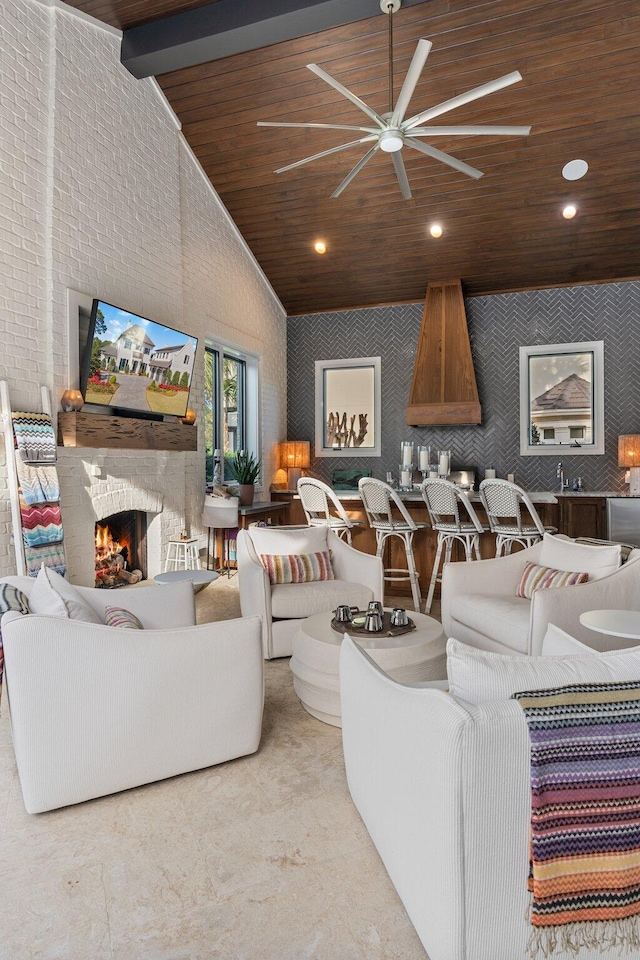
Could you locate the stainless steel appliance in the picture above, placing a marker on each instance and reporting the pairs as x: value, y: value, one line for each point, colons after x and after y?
x: 623, y: 519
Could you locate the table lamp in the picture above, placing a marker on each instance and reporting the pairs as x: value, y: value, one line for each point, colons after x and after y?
x: 294, y: 458
x: 629, y: 457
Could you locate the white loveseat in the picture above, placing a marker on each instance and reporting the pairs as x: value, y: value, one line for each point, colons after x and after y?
x: 443, y: 788
x: 97, y: 709
x: 480, y: 607
x: 282, y: 607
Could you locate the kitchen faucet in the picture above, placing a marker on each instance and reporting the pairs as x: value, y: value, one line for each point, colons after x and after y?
x: 560, y: 475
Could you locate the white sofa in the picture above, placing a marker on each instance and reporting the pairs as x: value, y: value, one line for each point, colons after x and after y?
x: 480, y: 607
x: 97, y: 709
x: 283, y: 607
x: 443, y: 788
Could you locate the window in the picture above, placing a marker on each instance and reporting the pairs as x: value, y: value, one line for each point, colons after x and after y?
x: 231, y: 404
x: 127, y: 344
x: 186, y: 360
x: 548, y: 433
x: 576, y: 433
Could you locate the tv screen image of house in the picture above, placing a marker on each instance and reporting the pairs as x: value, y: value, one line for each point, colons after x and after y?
x: 132, y: 363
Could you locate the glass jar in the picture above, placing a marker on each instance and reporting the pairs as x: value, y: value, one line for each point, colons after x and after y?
x: 406, y: 476
x: 406, y: 453
x: 444, y: 463
x: 424, y: 459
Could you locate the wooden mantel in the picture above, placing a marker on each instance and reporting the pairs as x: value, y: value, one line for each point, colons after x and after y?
x: 98, y: 430
x: 443, y: 391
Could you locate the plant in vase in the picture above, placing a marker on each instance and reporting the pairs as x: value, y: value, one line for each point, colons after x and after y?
x: 245, y: 468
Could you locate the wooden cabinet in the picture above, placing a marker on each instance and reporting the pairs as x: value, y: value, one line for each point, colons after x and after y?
x: 583, y: 517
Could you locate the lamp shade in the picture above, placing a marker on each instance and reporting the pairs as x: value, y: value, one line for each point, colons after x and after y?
x: 629, y: 450
x: 295, y: 454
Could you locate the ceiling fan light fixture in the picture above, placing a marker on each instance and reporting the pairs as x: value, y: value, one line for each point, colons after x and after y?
x: 391, y: 141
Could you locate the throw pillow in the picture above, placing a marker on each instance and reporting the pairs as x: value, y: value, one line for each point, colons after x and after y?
x: 53, y: 596
x: 478, y: 676
x: 119, y: 617
x: 537, y: 577
x: 11, y: 598
x: 298, y: 567
x: 563, y: 554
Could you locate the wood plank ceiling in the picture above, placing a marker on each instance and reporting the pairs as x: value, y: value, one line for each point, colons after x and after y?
x: 580, y: 60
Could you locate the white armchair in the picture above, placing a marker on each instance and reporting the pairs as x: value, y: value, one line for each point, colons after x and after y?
x: 443, y: 788
x: 480, y: 607
x: 282, y: 607
x: 97, y: 709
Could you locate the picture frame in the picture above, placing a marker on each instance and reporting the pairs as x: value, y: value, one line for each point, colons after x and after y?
x: 562, y: 399
x: 348, y: 407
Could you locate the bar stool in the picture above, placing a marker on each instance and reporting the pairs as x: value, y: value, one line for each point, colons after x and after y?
x: 220, y: 513
x: 378, y: 498
x: 503, y: 502
x: 443, y: 500
x: 315, y: 497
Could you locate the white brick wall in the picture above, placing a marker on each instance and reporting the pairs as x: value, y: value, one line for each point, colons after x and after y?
x: 100, y: 194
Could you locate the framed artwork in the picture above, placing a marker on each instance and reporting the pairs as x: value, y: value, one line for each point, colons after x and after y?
x: 348, y: 407
x: 562, y: 399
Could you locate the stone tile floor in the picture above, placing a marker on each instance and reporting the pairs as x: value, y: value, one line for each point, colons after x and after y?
x: 262, y: 858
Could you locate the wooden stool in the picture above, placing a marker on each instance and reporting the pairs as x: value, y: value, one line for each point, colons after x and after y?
x: 183, y: 554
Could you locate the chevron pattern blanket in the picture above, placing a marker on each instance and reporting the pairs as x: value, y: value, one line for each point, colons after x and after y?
x: 585, y: 816
x: 35, y: 439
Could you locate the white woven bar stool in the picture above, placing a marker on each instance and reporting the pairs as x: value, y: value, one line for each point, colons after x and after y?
x: 503, y: 502
x: 317, y: 500
x: 378, y: 498
x: 444, y: 500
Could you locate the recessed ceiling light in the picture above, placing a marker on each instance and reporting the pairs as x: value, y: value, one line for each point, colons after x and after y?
x: 320, y: 247
x: 575, y: 169
x: 435, y: 230
x: 569, y: 211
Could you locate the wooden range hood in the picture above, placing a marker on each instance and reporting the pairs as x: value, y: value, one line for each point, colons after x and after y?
x: 443, y: 390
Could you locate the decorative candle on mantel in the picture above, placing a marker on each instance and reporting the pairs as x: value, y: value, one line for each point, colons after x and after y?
x: 406, y: 448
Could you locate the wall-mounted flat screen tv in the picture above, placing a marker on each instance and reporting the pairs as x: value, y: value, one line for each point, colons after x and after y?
x: 133, y: 364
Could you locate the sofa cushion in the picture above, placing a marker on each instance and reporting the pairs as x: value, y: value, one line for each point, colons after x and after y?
x: 505, y: 619
x: 478, y: 676
x: 53, y: 596
x: 289, y: 600
x: 284, y: 541
x: 536, y: 577
x: 119, y: 617
x: 298, y: 568
x: 563, y: 554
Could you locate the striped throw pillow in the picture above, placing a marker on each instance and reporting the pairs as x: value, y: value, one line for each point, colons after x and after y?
x: 536, y: 577
x: 298, y: 567
x: 119, y: 617
x: 10, y: 599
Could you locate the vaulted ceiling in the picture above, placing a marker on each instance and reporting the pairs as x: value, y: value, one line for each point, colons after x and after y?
x: 580, y: 62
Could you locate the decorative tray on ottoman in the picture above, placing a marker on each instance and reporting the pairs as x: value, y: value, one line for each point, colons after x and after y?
x: 358, y: 630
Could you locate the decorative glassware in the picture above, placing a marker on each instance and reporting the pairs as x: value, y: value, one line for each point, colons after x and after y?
x: 444, y: 463
x: 424, y: 459
x: 406, y: 453
x: 406, y: 477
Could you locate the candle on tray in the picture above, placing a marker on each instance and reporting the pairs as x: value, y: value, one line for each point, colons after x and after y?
x: 405, y: 478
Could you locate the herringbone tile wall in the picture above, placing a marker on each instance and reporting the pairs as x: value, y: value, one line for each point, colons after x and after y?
x: 498, y: 326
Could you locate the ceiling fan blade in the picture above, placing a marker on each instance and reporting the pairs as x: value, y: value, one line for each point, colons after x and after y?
x: 320, y: 126
x: 319, y: 72
x: 401, y: 174
x: 356, y: 170
x: 444, y: 158
x: 470, y: 131
x: 326, y: 153
x: 410, y: 81
x: 462, y: 98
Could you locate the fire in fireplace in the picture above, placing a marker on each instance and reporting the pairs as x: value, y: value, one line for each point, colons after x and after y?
x: 120, y: 549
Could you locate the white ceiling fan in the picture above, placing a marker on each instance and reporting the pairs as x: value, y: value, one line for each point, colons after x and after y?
x: 392, y: 132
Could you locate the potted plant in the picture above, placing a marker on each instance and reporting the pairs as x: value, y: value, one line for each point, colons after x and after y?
x: 244, y: 468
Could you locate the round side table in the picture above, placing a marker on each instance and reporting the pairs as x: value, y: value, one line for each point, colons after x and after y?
x: 199, y: 578
x: 415, y: 656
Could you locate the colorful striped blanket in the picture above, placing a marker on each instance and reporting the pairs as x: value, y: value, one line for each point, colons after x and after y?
x: 38, y: 484
x: 585, y: 816
x: 35, y: 439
